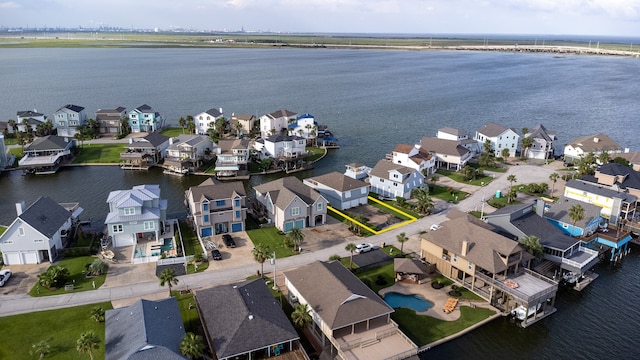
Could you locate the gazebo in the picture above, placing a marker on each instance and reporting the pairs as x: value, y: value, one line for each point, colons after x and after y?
x: 410, y: 270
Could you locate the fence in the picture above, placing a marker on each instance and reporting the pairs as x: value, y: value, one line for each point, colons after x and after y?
x: 176, y: 260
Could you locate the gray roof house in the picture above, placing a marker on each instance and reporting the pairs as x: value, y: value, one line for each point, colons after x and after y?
x: 187, y: 152
x: 245, y: 320
x: 45, y: 154
x: 206, y: 120
x: 110, y: 120
x: 450, y: 154
x: 500, y: 137
x: 144, y: 152
x: 558, y: 215
x: 68, y: 118
x: 392, y: 180
x: 146, y: 330
x: 233, y: 157
x: 341, y: 191
x: 542, y: 143
x: 597, y: 144
x: 615, y: 204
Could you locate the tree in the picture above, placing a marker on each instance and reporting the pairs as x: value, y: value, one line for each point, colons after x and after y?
x: 27, y: 128
x: 183, y: 123
x: 554, y: 178
x: 525, y: 131
x: 266, y: 163
x: 511, y: 179
x: 424, y: 203
x: 487, y: 146
x: 586, y: 166
x: 238, y: 127
x: 98, y: 267
x: 533, y: 246
x: 192, y: 346
x: 620, y: 160
x: 469, y: 173
x: 351, y: 247
x: 604, y: 157
x: 576, y: 213
x: 487, y: 160
x: 543, y: 187
x: 260, y: 254
x: 505, y: 154
x: 40, y: 349
x: 300, y: 316
x: 54, y: 277
x: 12, y: 125
x: 434, y: 179
x: 526, y: 144
x: 168, y: 277
x: 512, y: 195
x: 334, y: 257
x: 402, y: 238
x: 97, y: 314
x: 191, y: 125
x: 88, y: 342
x: 295, y: 236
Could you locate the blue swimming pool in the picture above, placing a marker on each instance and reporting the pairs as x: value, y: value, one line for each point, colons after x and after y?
x: 412, y: 301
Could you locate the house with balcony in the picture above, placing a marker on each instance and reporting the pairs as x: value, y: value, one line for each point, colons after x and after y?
x: 542, y: 143
x: 357, y: 171
x: 145, y: 119
x: 186, y: 153
x: 46, y: 154
x: 287, y: 151
x: 500, y: 138
x: 461, y: 136
x: 207, y: 120
x: 110, y: 120
x: 276, y: 122
x: 38, y: 233
x: 288, y: 203
x: 414, y: 157
x: 491, y: 265
x: 233, y: 158
x: 347, y: 315
x: 144, y: 152
x: 32, y: 118
x: 217, y: 207
x: 447, y: 154
x: 68, y: 118
x: 341, y: 191
x: 558, y: 215
x: 391, y: 180
x: 575, y: 150
x: 305, y: 126
x: 242, y: 124
x: 615, y: 203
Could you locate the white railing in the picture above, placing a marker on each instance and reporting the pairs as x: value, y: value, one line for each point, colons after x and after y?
x: 37, y: 160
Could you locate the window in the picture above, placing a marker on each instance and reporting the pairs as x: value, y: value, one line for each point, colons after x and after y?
x: 129, y: 211
x: 149, y: 225
x: 455, y: 258
x: 37, y: 241
x: 220, y: 202
x: 237, y: 214
x: 21, y: 231
x: 381, y: 180
x: 73, y: 123
x: 61, y: 123
x: 205, y: 206
x: 117, y: 228
x: 237, y: 202
x: 295, y: 211
x: 8, y: 241
x: 319, y: 206
x: 205, y: 219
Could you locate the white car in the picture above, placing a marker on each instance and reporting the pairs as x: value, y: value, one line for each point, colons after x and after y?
x: 363, y: 248
x: 435, y: 227
x: 4, y: 276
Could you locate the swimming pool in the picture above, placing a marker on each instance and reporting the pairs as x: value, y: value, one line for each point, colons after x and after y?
x: 412, y: 301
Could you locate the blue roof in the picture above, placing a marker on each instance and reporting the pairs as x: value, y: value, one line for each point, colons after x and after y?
x: 304, y: 116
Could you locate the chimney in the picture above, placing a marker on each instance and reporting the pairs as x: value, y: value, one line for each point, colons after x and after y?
x: 171, y: 141
x: 20, y: 208
x: 221, y: 111
x: 465, y: 248
x: 540, y: 207
x: 596, y: 139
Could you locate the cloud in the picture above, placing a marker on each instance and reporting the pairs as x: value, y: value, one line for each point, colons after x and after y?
x: 9, y: 5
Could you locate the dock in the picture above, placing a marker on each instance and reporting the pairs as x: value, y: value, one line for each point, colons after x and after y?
x: 588, y: 279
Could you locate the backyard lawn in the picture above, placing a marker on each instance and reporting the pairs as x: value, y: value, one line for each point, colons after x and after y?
x: 173, y: 131
x: 2, y: 229
x: 446, y: 194
x: 272, y: 239
x: 189, y: 313
x: 62, y: 327
x: 457, y: 176
x: 378, y: 278
x: 99, y: 153
x: 76, y: 267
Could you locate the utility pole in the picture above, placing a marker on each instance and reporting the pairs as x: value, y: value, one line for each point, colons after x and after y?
x: 273, y: 262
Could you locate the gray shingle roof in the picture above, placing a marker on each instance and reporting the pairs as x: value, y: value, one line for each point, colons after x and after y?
x: 227, y: 145
x: 156, y: 139
x: 383, y: 167
x: 560, y: 211
x: 599, y: 190
x: 46, y: 216
x: 145, y: 108
x: 408, y: 265
x: 443, y: 146
x: 282, y: 113
x: 492, y: 129
x: 280, y: 138
x: 336, y: 295
x: 129, y: 330
x: 49, y: 142
x: 284, y: 190
x: 28, y: 113
x: 116, y: 111
x: 214, y: 112
x: 539, y: 131
x: 217, y: 191
x: 243, y: 317
x: 630, y: 178
x: 74, y: 108
x: 340, y: 182
x: 589, y: 143
x: 453, y: 131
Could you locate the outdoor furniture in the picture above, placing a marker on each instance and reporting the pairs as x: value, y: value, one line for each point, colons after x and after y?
x: 450, y: 305
x: 511, y: 284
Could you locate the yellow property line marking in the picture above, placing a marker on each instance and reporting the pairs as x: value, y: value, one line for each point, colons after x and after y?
x: 376, y: 232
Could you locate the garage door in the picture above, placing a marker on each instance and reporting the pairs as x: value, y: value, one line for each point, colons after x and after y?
x: 288, y: 226
x: 123, y: 240
x: 13, y: 258
x: 206, y: 232
x: 236, y: 227
x: 300, y: 224
x: 30, y: 257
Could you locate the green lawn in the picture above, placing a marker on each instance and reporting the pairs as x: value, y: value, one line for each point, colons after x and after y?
x: 189, y: 313
x: 62, y: 327
x: 173, y: 131
x: 317, y: 153
x: 501, y: 202
x: 16, y: 151
x: 370, y: 277
x: 99, y: 153
x: 191, y: 243
x: 443, y: 193
x: 271, y: 238
x: 424, y: 330
x: 2, y: 229
x: 456, y: 176
x: 76, y: 267
x: 394, y: 204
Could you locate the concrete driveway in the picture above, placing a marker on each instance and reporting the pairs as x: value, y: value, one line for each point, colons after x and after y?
x: 23, y: 278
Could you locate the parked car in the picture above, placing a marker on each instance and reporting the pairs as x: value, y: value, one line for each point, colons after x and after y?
x: 4, y: 276
x: 435, y: 227
x: 215, y: 253
x: 363, y: 248
x: 228, y: 241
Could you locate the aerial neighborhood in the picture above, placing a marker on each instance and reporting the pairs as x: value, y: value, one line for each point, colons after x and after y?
x: 481, y: 243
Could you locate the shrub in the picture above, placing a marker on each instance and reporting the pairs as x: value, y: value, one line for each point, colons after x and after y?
x: 198, y: 257
x: 380, y: 280
x: 54, y: 277
x: 367, y: 282
x: 97, y: 268
x: 76, y: 252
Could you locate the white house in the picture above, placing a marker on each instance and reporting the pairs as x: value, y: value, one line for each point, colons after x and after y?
x: 414, y: 157
x: 341, y: 191
x: 68, y: 118
x: 304, y: 126
x: 542, y: 142
x: 447, y: 154
x: 233, y: 157
x: 500, y: 137
x: 596, y: 144
x: 392, y: 180
x: 276, y: 122
x: 448, y: 133
x: 207, y: 120
x: 357, y: 171
x: 33, y: 118
x: 280, y: 146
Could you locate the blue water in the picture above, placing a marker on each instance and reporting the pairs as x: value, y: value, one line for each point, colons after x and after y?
x: 413, y: 301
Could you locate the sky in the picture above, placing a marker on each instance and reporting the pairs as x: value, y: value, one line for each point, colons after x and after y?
x: 531, y: 17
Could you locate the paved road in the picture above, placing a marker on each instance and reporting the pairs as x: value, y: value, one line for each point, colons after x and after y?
x: 16, y: 304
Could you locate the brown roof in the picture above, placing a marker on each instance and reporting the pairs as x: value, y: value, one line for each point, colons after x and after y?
x: 408, y: 265
x: 340, y: 182
x: 282, y: 113
x: 453, y: 131
x: 284, y: 190
x: 243, y: 117
x: 383, y: 167
x: 336, y: 295
x: 443, y: 146
x: 227, y: 145
x: 220, y: 190
x: 403, y: 148
x: 597, y: 142
x: 491, y: 129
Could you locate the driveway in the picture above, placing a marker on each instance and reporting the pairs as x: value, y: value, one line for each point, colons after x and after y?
x: 23, y: 278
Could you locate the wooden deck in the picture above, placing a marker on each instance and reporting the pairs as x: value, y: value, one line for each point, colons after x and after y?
x: 291, y: 355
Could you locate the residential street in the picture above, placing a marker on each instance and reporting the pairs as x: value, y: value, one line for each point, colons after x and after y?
x: 16, y: 304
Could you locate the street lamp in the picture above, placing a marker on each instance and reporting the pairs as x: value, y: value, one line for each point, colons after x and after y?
x: 482, y: 208
x: 273, y: 262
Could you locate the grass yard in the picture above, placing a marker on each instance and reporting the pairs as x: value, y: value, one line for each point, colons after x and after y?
x: 173, y: 131
x: 189, y: 313
x: 99, y: 153
x: 191, y: 243
x: 456, y: 176
x: 272, y: 239
x: 317, y: 153
x: 501, y: 202
x: 2, y: 229
x: 394, y: 204
x: 16, y: 151
x: 424, y: 330
x: 443, y: 193
x: 76, y: 267
x: 384, y: 272
x: 62, y: 327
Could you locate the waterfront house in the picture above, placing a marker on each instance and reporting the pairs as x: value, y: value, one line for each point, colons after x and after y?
x: 461, y: 136
x: 45, y: 154
x: 233, y: 158
x: 615, y: 203
x: 500, y: 138
x: 242, y: 124
x: 38, y: 233
x: 217, y: 207
x: 276, y: 122
x: 466, y: 250
x: 68, y: 118
x: 448, y: 154
x: 4, y: 159
x: 207, y: 120
x: 144, y: 152
x: 245, y: 321
x: 347, y: 315
x: 357, y: 171
x: 542, y: 141
x: 391, y: 180
x: 32, y: 118
x: 575, y: 150
x: 558, y: 215
x: 145, y: 119
x: 304, y: 126
x: 136, y: 215
x: 288, y: 203
x: 414, y: 157
x: 110, y: 120
x: 341, y: 191
x: 287, y: 151
x: 186, y: 153
x: 145, y: 330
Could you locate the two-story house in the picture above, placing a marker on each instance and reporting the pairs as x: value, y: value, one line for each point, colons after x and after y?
x: 559, y: 215
x: 288, y: 203
x: 135, y: 214
x: 392, y: 180
x: 207, y: 120
x: 144, y: 152
x: 68, y: 118
x: 461, y: 136
x: 575, y: 150
x: 110, y: 120
x: 342, y: 192
x: 243, y: 124
x: 233, y: 157
x: 145, y: 119
x: 32, y: 118
x: 45, y: 154
x: 217, y: 207
x: 447, y: 154
x: 414, y: 157
x: 186, y: 153
x: 304, y: 126
x: 542, y: 141
x: 287, y: 151
x: 615, y: 203
x: 500, y: 138
x: 37, y: 234
x: 276, y: 122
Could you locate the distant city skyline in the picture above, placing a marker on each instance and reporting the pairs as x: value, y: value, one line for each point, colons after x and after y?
x: 544, y: 17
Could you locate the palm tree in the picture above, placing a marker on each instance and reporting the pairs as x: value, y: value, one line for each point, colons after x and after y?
x: 301, y: 317
x: 553, y: 177
x: 576, y: 213
x: 505, y: 154
x: 334, y: 257
x: 424, y: 203
x: 260, y: 254
x: 526, y: 144
x: 41, y: 348
x: 97, y: 314
x: 168, y: 277
x: 351, y: 247
x: 87, y: 342
x: 402, y: 238
x: 604, y: 158
x: 25, y: 123
x: 487, y: 146
x: 192, y: 346
x: 183, y: 123
x: 511, y: 179
x: 533, y: 246
x: 295, y: 236
x: 191, y: 124
x: 525, y: 131
x: 98, y: 267
x: 12, y: 125
x: 434, y: 179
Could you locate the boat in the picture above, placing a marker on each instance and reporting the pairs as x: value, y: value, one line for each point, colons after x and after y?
x: 108, y: 254
x: 521, y: 312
